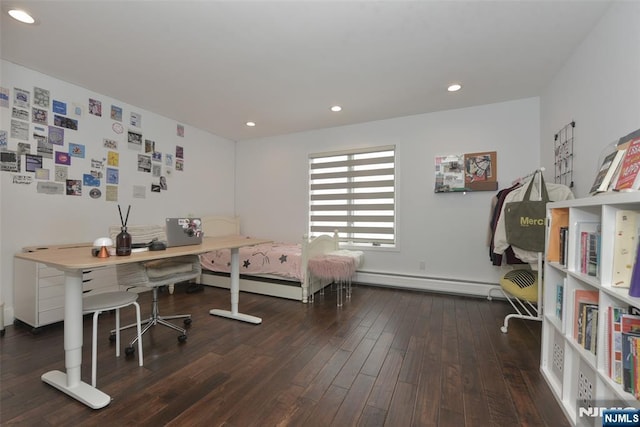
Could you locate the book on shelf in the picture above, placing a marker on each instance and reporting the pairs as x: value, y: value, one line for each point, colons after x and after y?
x: 559, y: 220
x: 590, y: 322
x: 608, y: 169
x: 624, y: 247
x: 588, y: 248
x: 614, y: 338
x: 582, y: 299
x: 629, y: 175
x: 630, y: 333
x: 564, y: 245
x: 559, y: 299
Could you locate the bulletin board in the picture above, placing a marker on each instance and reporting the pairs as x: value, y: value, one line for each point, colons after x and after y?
x: 466, y: 172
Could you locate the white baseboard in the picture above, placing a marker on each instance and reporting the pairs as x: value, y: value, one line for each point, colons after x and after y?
x: 424, y: 283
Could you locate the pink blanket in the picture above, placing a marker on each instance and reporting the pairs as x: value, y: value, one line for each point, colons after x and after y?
x: 279, y: 259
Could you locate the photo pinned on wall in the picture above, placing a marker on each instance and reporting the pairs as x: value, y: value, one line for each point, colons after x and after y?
x: 19, y: 130
x: 3, y: 139
x: 74, y: 187
x: 179, y: 165
x: 155, y: 188
x: 163, y: 183
x: 156, y: 170
x: 135, y: 140
x: 44, y: 148
x: 20, y: 114
x: 65, y: 122
x: 4, y: 97
x: 111, y: 194
x: 22, y: 179
x: 41, y: 97
x: 21, y: 98
x: 116, y: 113
x: 56, y: 135
x: 113, y: 176
x: 42, y: 174
x: 61, y: 173
x: 117, y: 128
x: 156, y: 156
x: 179, y: 152
x: 77, y: 109
x: 168, y: 159
x: 95, y: 193
x: 149, y: 146
x: 139, y: 192
x: 59, y: 107
x: 63, y: 158
x: 144, y: 163
x: 32, y: 162
x: 76, y: 150
x: 95, y: 107
x: 9, y: 161
x: 180, y: 130
x: 110, y: 144
x: 97, y: 164
x: 113, y: 158
x: 39, y: 116
x: 89, y: 180
x: 51, y: 188
x: 135, y: 119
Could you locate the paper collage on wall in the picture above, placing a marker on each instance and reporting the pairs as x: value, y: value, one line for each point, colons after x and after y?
x: 39, y: 122
x: 466, y: 172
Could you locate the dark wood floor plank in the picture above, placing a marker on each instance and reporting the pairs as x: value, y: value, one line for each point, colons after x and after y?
x: 386, y: 357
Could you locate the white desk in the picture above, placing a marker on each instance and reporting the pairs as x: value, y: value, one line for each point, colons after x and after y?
x: 73, y: 259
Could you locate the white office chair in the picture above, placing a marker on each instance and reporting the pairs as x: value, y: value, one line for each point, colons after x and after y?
x: 155, y: 274
x: 99, y: 303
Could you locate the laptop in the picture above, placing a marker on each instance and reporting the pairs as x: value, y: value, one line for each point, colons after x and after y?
x: 183, y: 231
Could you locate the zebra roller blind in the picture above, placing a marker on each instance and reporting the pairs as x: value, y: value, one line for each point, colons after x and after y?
x: 354, y: 192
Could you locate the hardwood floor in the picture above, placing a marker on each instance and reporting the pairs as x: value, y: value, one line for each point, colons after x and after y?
x: 387, y: 358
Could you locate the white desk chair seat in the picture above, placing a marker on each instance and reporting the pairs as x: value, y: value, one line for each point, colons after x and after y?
x: 99, y: 303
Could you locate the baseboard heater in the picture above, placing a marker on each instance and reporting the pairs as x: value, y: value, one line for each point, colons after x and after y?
x: 424, y: 283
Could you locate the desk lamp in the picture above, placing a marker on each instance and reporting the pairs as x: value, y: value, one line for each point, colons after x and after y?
x: 103, y: 243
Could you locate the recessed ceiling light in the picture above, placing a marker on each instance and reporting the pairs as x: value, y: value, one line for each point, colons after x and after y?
x: 21, y: 16
x: 251, y: 124
x: 336, y: 108
x: 454, y: 87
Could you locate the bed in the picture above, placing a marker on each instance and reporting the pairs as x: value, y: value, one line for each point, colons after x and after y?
x: 277, y: 269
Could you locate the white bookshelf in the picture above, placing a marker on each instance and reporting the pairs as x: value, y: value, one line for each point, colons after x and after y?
x: 578, y: 377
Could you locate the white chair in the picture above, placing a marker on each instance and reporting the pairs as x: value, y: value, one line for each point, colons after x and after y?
x: 106, y: 301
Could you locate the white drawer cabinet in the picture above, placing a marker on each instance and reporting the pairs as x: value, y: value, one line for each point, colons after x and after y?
x: 39, y: 290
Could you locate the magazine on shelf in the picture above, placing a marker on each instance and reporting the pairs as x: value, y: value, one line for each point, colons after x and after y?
x: 607, y: 171
x: 624, y: 247
x: 629, y: 176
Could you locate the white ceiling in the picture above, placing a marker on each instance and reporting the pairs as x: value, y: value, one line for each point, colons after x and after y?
x: 217, y: 64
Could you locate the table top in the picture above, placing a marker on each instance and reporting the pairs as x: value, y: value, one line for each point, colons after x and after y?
x: 78, y: 256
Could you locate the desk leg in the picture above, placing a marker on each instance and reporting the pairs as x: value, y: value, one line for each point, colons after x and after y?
x: 235, y: 293
x: 70, y: 382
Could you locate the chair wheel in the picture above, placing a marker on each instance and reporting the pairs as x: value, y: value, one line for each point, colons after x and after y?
x: 129, y: 350
x: 187, y: 321
x: 112, y: 338
x: 182, y: 338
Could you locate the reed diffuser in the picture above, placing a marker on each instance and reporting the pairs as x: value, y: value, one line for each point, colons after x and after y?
x: 123, y: 239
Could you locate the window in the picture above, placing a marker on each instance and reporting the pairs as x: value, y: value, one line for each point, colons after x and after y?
x: 354, y: 192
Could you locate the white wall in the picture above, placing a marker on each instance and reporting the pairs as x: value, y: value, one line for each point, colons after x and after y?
x: 599, y: 88
x: 447, y: 232
x: 206, y: 186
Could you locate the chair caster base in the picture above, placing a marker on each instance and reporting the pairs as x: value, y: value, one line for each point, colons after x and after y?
x: 129, y: 350
x: 187, y: 321
x: 182, y: 338
x: 112, y: 338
